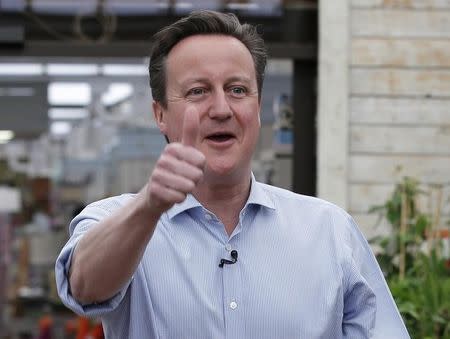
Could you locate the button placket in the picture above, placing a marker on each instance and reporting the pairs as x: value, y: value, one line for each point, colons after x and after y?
x: 232, y: 294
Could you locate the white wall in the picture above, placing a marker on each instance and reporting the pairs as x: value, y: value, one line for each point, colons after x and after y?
x: 397, y: 106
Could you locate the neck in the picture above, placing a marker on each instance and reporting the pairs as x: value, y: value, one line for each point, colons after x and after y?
x: 225, y: 199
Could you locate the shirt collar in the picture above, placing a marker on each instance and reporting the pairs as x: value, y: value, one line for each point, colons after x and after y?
x: 187, y: 204
x: 258, y: 196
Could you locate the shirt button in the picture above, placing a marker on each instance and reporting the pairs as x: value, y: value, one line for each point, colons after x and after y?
x: 228, y: 247
x: 233, y: 305
x: 208, y: 216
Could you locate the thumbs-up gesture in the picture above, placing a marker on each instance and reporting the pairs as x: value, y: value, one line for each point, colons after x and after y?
x: 178, y: 169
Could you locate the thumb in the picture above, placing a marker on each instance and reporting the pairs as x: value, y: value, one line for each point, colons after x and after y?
x: 191, y: 124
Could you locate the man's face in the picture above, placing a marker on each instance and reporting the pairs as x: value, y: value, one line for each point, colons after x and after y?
x: 214, y: 75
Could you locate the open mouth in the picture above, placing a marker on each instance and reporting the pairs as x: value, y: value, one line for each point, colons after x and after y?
x: 220, y: 137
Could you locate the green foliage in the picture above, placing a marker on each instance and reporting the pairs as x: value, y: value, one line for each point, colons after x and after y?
x: 422, y: 291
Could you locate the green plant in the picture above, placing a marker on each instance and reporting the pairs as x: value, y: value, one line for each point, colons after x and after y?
x: 410, y: 257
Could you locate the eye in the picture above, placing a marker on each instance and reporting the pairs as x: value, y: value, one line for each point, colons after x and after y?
x: 196, y: 91
x: 238, y: 91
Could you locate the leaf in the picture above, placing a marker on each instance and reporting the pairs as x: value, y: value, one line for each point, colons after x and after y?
x: 378, y: 208
x: 408, y: 308
x: 423, y: 295
x: 421, y: 224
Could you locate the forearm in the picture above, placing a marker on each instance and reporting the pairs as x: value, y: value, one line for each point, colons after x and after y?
x: 107, y: 255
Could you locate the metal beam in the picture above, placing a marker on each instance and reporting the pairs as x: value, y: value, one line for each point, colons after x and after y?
x: 290, y: 35
x: 130, y: 49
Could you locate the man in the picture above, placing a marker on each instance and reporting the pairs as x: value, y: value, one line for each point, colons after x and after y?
x: 204, y: 250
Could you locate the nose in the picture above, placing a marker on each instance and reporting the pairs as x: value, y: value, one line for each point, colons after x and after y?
x: 220, y: 107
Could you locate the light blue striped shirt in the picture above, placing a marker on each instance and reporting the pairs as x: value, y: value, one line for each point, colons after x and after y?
x: 303, y: 271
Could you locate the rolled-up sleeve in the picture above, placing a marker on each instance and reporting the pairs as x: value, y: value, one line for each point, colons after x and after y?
x: 78, y: 227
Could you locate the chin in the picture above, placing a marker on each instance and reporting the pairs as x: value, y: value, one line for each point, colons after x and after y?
x: 223, y: 171
x: 220, y: 169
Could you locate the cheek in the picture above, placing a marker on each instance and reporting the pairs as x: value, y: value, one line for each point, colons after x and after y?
x: 173, y: 130
x: 174, y: 121
x: 252, y: 120
x: 251, y: 127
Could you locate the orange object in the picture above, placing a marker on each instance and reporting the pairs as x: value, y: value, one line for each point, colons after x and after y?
x: 70, y: 327
x: 45, y: 322
x: 45, y: 327
x: 444, y: 233
x: 83, y: 328
x: 97, y: 332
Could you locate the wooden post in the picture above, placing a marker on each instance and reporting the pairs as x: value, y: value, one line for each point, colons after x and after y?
x: 403, y: 229
x: 436, y: 221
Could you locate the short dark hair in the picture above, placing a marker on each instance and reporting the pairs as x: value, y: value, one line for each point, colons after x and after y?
x: 202, y: 22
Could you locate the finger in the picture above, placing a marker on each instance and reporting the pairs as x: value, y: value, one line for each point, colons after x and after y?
x: 178, y: 151
x: 191, y: 127
x: 163, y: 196
x: 179, y: 167
x: 174, y: 181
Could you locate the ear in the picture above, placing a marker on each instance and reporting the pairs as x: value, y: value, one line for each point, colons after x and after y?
x: 158, y: 113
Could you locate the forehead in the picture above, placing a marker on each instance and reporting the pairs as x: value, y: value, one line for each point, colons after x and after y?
x: 212, y: 53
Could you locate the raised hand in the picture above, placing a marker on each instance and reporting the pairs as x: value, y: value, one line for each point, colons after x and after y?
x: 178, y: 169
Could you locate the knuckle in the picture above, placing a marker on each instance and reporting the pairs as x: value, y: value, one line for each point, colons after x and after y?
x: 173, y: 148
x: 190, y: 185
x: 198, y: 174
x: 168, y: 151
x: 156, y: 175
x: 163, y: 161
x: 179, y: 197
x: 200, y: 158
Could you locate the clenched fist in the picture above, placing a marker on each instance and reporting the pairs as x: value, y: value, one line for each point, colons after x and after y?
x: 178, y: 169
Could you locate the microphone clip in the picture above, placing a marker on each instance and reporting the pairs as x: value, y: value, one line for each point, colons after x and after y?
x: 234, y: 256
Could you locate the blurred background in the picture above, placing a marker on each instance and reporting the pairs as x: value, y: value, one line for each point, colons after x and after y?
x: 355, y: 110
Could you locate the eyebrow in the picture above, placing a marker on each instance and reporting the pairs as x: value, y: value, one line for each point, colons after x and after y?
x: 243, y: 79
x: 240, y: 78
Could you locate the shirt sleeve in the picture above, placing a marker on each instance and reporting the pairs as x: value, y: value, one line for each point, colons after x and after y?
x: 369, y: 309
x: 78, y: 227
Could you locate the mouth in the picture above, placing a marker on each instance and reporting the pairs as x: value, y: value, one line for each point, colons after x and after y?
x: 220, y: 137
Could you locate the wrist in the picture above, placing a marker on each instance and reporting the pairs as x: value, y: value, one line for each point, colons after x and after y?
x: 145, y: 208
